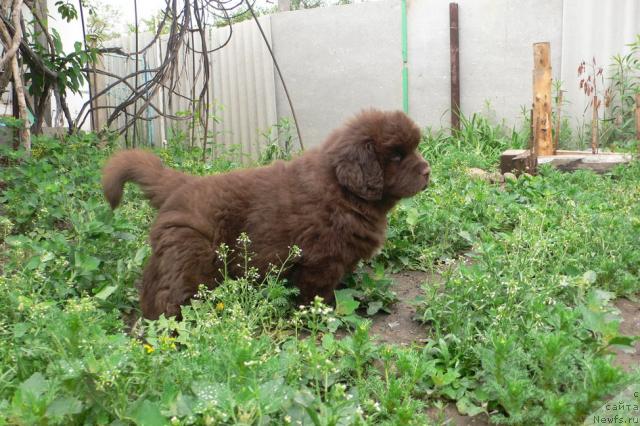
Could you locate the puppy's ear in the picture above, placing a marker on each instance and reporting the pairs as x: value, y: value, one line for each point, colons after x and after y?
x: 358, y: 170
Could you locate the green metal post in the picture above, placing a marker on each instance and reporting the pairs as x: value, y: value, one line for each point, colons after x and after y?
x: 405, y: 70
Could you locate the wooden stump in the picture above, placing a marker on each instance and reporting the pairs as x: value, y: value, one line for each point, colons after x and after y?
x: 518, y: 161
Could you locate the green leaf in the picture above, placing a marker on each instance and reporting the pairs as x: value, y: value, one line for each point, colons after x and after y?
x: 35, y: 385
x: 412, y: 217
x: 141, y: 255
x: 57, y: 41
x: 601, y: 297
x: 210, y: 393
x: 87, y: 263
x: 64, y: 406
x: 345, y: 303
x: 20, y: 329
x: 590, y: 277
x: 16, y: 241
x: 623, y: 341
x: 124, y: 236
x: 148, y: 413
x: 33, y: 263
x: 467, y: 408
x: 181, y: 406
x: 106, y: 292
x: 466, y: 236
x: 304, y: 398
x: 374, y: 307
x: 441, y: 379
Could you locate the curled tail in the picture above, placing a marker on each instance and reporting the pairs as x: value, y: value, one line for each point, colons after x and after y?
x: 145, y: 169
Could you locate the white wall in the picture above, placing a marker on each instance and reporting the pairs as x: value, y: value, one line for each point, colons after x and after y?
x: 496, y: 55
x: 593, y: 28
x: 337, y: 61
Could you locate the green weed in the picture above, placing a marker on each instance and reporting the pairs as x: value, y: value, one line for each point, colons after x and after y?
x: 523, y: 331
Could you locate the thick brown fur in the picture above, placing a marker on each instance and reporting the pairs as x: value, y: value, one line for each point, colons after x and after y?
x: 331, y: 202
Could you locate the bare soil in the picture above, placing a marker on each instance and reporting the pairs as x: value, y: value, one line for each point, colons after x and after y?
x: 630, y: 326
x: 400, y: 327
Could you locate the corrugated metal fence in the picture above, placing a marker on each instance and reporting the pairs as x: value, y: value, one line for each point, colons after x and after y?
x: 241, y: 89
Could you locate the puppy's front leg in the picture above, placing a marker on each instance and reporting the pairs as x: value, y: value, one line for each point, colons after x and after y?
x: 317, y: 281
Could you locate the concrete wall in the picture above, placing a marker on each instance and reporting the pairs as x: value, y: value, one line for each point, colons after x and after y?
x: 337, y: 61
x: 594, y: 29
x: 341, y: 59
x: 496, y: 55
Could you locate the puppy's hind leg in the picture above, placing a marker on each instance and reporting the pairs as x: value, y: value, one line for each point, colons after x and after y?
x: 182, y: 259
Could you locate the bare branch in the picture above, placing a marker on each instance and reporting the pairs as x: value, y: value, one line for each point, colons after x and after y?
x: 11, y: 44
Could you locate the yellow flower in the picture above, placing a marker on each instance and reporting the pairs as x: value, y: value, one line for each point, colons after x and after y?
x: 148, y: 347
x: 219, y: 306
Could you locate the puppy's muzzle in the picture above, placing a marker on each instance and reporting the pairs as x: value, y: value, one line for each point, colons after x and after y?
x: 425, y: 172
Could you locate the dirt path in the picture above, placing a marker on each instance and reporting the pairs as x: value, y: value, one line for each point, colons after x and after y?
x: 630, y: 326
x: 399, y: 327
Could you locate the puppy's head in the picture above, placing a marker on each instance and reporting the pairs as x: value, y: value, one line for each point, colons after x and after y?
x: 375, y: 156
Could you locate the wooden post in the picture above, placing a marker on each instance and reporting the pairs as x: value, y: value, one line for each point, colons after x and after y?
x: 556, y: 139
x: 638, y: 120
x: 454, y: 48
x: 542, y: 99
x: 97, y: 83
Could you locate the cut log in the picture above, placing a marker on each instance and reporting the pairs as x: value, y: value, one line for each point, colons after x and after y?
x: 518, y: 161
x: 599, y: 163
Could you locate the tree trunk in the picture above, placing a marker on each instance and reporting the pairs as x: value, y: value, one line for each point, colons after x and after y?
x: 25, y: 134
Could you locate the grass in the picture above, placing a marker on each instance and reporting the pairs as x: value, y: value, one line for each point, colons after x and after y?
x: 523, y: 332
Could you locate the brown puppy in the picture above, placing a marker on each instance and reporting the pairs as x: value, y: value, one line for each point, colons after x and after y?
x: 331, y: 202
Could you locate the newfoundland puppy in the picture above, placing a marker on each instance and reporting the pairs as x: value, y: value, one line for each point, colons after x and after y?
x: 330, y: 201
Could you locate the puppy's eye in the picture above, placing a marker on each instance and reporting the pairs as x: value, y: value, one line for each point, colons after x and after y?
x: 397, y: 157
